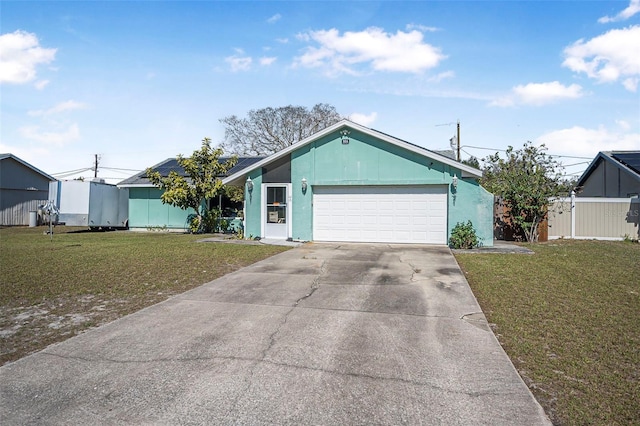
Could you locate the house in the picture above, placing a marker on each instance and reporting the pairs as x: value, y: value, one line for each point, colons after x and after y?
x: 146, y: 210
x: 612, y: 174
x: 23, y: 189
x: 355, y: 184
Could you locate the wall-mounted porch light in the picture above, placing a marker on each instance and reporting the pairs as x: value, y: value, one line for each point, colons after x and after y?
x: 249, y: 184
x: 454, y: 182
x: 304, y: 185
x: 345, y: 137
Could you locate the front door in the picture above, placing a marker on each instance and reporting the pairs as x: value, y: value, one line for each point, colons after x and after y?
x: 276, y: 211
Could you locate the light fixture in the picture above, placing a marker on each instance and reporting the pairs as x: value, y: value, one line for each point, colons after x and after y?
x: 249, y: 184
x: 454, y: 182
x: 304, y: 185
x: 345, y: 137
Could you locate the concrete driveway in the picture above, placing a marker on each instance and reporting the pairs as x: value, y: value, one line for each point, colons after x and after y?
x: 322, y: 334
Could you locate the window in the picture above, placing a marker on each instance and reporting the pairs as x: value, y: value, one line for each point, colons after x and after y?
x: 276, y: 204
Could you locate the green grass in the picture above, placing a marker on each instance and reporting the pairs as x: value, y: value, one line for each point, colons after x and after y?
x: 569, y: 318
x: 51, y: 289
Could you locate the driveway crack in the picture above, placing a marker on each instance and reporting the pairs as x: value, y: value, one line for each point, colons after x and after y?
x: 314, y: 285
x: 272, y: 339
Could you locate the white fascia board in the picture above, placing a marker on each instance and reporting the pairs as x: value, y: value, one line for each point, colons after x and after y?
x: 136, y: 185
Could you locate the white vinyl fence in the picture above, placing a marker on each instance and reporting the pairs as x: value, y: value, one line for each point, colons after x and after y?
x: 594, y: 218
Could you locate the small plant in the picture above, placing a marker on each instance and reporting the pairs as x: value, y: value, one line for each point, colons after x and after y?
x: 463, y: 236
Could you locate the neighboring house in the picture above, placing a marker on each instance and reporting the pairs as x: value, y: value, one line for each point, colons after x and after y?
x: 355, y: 184
x: 23, y: 188
x: 146, y: 209
x: 612, y: 174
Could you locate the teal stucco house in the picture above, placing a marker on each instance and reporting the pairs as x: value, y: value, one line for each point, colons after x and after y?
x: 354, y: 184
x: 147, y: 211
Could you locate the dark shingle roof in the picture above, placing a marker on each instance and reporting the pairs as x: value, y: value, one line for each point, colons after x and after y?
x: 630, y: 159
x: 171, y: 165
x: 626, y: 160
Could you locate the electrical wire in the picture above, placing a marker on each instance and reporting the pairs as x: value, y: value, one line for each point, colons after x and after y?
x: 72, y: 171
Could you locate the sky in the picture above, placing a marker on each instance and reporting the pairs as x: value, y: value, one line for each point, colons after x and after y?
x: 137, y: 82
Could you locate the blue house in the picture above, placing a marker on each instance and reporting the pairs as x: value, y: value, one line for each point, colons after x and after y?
x: 354, y: 184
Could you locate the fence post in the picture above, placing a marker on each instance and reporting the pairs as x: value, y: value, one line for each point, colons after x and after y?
x: 573, y: 214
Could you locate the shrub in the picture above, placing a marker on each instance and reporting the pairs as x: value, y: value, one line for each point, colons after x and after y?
x: 463, y: 236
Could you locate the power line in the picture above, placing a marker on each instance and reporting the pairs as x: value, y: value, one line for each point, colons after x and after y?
x: 124, y: 170
x: 70, y: 172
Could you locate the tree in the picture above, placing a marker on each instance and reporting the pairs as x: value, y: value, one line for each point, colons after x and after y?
x: 526, y: 179
x: 472, y: 161
x: 200, y: 182
x: 269, y: 130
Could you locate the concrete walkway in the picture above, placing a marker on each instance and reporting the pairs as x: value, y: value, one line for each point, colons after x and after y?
x: 321, y: 334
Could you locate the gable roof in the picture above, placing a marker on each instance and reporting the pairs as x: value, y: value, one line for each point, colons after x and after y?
x: 171, y: 165
x: 626, y: 160
x: 24, y: 163
x: 467, y: 170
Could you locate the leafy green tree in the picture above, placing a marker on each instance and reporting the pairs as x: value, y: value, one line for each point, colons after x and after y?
x: 200, y: 183
x: 269, y: 130
x: 526, y: 179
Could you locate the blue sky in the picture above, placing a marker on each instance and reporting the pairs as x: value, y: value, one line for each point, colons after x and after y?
x: 138, y: 82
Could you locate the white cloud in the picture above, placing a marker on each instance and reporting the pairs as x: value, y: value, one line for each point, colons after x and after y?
x: 632, y: 9
x: 282, y: 40
x: 238, y: 62
x: 41, y: 84
x: 61, y: 107
x: 539, y: 94
x: 60, y: 137
x: 584, y: 142
x: 382, y: 51
x: 275, y: 18
x: 608, y: 57
x: 363, y: 119
x: 442, y: 76
x: 623, y: 124
x: 422, y: 28
x: 631, y: 84
x: 267, y: 60
x: 20, y: 54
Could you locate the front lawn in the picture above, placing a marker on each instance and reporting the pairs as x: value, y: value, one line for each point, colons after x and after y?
x: 51, y: 290
x: 569, y: 319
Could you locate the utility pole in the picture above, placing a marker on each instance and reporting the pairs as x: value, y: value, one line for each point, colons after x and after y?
x: 456, y: 137
x: 458, y: 140
x: 95, y: 167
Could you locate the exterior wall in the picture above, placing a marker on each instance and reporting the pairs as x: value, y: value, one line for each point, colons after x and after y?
x: 146, y: 210
x: 595, y: 218
x: 370, y: 161
x: 253, y: 206
x: 472, y: 202
x: 16, y: 200
x: 609, y: 180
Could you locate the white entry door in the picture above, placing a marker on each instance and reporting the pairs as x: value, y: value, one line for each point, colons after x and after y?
x: 389, y: 214
x: 276, y: 211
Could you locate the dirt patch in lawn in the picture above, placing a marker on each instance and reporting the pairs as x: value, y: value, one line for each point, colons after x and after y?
x: 53, y: 289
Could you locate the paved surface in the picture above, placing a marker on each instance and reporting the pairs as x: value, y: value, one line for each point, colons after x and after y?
x: 321, y: 334
x: 499, y: 247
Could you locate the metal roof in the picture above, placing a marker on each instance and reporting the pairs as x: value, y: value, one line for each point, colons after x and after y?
x: 171, y: 165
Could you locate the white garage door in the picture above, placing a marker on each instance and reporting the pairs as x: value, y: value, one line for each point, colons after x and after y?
x: 390, y: 214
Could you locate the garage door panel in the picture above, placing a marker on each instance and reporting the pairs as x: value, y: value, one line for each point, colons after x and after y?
x: 409, y: 214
